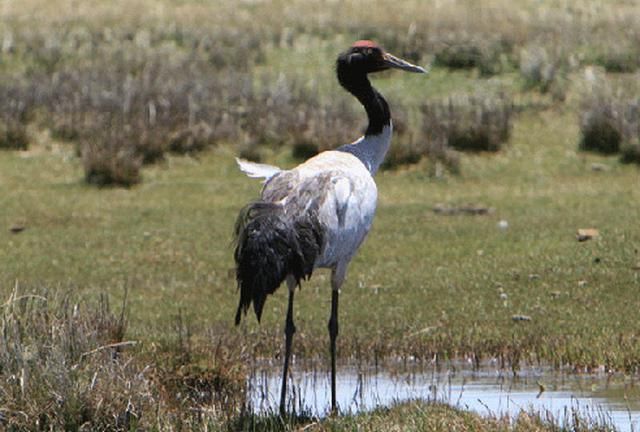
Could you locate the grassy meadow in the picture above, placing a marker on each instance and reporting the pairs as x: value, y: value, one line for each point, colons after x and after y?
x: 118, y: 133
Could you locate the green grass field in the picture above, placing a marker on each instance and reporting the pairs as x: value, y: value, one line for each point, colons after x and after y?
x: 425, y: 284
x: 432, y: 283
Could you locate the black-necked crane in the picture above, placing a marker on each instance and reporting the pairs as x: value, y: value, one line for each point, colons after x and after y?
x: 317, y: 214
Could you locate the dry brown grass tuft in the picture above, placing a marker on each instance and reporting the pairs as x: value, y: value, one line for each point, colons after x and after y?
x: 66, y: 365
x: 15, y: 103
x: 286, y: 112
x: 470, y: 122
x: 545, y: 69
x: 109, y: 160
x: 476, y: 123
x: 62, y: 366
x: 610, y: 120
x: 13, y: 136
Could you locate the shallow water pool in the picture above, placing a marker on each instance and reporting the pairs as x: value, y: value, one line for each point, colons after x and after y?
x: 612, y: 399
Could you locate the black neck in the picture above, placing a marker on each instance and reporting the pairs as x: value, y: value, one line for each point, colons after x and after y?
x: 358, y: 85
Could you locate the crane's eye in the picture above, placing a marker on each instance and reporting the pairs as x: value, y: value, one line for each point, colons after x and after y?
x: 367, y: 51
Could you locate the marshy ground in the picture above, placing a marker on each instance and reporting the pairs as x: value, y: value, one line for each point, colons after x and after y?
x: 119, y: 187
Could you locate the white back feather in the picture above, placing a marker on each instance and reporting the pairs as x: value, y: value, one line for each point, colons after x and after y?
x: 257, y: 170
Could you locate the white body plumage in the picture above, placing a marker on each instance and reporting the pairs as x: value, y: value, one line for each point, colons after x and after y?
x: 347, y: 207
x: 347, y: 196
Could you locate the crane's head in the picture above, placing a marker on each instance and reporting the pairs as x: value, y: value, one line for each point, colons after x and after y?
x: 365, y: 56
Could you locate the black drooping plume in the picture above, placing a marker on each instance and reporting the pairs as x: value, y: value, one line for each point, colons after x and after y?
x: 270, y: 246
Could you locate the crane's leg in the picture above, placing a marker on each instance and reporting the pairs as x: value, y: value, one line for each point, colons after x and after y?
x: 289, y: 330
x: 337, y: 278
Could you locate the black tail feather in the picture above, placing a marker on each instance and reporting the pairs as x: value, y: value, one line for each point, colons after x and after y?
x: 270, y: 245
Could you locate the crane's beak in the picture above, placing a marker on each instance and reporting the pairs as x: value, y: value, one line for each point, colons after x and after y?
x: 397, y: 63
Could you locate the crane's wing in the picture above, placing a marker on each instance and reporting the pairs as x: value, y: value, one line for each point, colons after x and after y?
x: 257, y: 170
